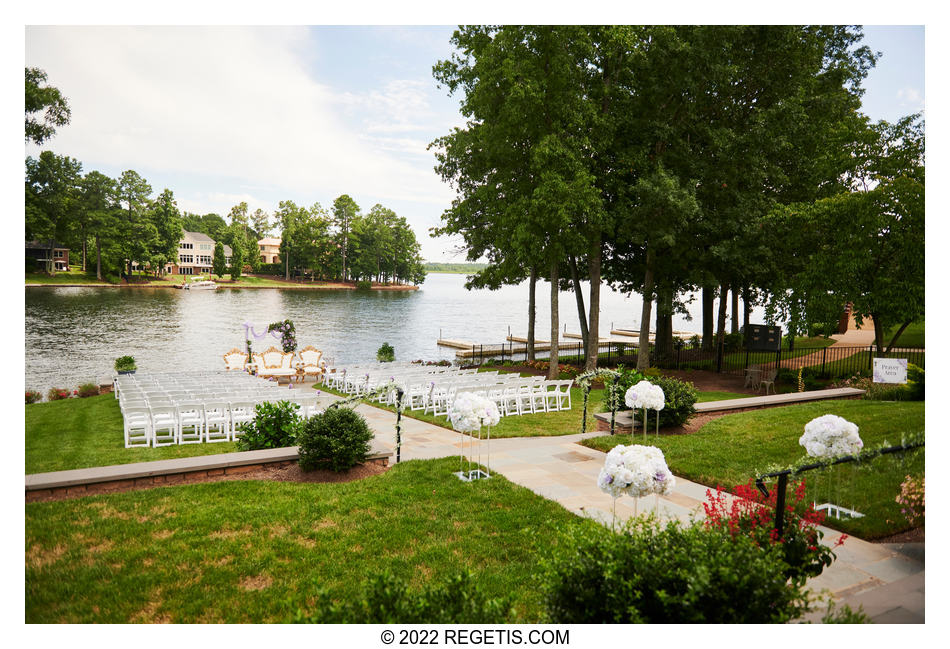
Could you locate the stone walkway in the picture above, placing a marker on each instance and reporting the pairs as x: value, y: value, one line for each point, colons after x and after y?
x: 888, y: 583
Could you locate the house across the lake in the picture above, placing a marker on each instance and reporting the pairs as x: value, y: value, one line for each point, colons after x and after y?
x: 270, y: 250
x: 196, y: 255
x: 38, y: 255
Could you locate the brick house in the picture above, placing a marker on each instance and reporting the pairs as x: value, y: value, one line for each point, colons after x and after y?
x: 37, y: 255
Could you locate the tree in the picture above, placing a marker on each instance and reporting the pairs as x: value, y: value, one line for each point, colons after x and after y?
x: 219, y: 264
x: 52, y: 196
x: 237, y: 255
x: 137, y: 233
x: 167, y: 222
x: 98, y: 203
x: 261, y: 221
x: 49, y: 100
x: 345, y: 212
x: 865, y: 247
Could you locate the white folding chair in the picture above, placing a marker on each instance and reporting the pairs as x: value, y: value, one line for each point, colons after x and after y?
x: 164, y: 421
x: 217, y: 421
x: 241, y: 412
x: 136, y: 426
x: 190, y: 422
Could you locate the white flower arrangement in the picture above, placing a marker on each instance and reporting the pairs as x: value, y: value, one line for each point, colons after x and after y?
x: 831, y: 436
x: 635, y: 471
x: 469, y: 412
x: 645, y: 395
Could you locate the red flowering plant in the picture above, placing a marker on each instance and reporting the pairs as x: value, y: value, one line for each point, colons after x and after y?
x: 749, y: 513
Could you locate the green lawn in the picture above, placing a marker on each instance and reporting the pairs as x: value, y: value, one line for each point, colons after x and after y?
x: 253, y: 551
x: 732, y: 449
x: 913, y: 335
x: 81, y: 433
x: 73, y: 276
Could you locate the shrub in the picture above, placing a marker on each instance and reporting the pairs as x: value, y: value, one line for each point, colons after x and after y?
x: 55, y: 394
x: 915, y: 382
x: 752, y: 515
x: 646, y: 573
x: 911, y: 500
x: 844, y: 614
x: 363, y: 285
x: 733, y: 342
x: 275, y: 425
x: 680, y: 396
x: 385, y: 353
x: 388, y: 600
x: 822, y: 329
x: 32, y: 396
x: 337, y: 439
x: 124, y: 364
x: 88, y: 390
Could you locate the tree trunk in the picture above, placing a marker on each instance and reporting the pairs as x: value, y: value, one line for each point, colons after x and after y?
x: 735, y: 311
x: 532, y: 285
x: 50, y: 262
x: 746, y: 309
x: 664, y: 323
x: 287, y: 266
x: 98, y: 259
x: 643, y: 353
x: 708, y: 297
x: 552, y: 366
x: 579, y: 298
x: 84, y: 249
x: 723, y: 302
x: 593, y: 337
x: 890, y: 345
x: 878, y: 334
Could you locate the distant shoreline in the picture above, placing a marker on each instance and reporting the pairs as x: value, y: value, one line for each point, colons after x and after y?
x: 225, y: 285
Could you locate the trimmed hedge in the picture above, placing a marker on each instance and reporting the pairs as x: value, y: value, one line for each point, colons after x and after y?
x: 336, y: 439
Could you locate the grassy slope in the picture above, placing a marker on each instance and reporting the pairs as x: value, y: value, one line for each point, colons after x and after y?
x: 732, y: 449
x: 80, y: 433
x: 250, y: 551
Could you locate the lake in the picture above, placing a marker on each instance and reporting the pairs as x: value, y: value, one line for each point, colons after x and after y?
x: 72, y: 335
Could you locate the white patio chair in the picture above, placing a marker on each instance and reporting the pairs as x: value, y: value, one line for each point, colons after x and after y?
x: 164, y: 422
x: 241, y: 412
x: 190, y: 422
x: 136, y: 426
x: 217, y: 421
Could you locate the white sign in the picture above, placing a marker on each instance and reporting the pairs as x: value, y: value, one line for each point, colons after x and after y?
x: 890, y: 370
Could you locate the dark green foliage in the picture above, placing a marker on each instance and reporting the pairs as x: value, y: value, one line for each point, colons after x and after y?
x: 825, y: 329
x: 388, y: 600
x: 680, y: 396
x: 385, y: 353
x: 845, y: 615
x: 219, y: 263
x: 337, y: 439
x: 124, y: 364
x: 733, y: 342
x: 363, y: 285
x: 915, y: 382
x: 646, y: 573
x: 88, y: 390
x: 275, y: 425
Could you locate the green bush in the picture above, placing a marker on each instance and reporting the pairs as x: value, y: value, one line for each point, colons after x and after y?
x: 646, y: 573
x: 385, y: 353
x: 275, y: 425
x: 55, y: 394
x: 363, y: 285
x: 124, y: 364
x: 337, y: 439
x: 88, y: 390
x: 823, y: 329
x: 733, y: 342
x: 680, y: 396
x: 915, y: 382
x: 32, y: 396
x: 388, y: 600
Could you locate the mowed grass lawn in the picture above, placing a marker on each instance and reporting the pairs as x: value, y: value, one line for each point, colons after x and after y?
x: 254, y: 551
x: 82, y: 433
x: 730, y: 450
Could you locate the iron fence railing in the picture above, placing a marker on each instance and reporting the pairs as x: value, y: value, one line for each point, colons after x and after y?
x: 825, y: 362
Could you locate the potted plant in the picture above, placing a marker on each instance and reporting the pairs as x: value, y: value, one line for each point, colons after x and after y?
x: 125, y: 365
x: 385, y: 353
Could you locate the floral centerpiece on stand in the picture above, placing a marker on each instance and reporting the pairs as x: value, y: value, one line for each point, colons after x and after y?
x: 635, y: 471
x: 648, y: 396
x: 831, y: 436
x: 468, y: 413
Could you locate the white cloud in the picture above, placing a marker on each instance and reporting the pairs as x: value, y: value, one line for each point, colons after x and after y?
x: 910, y: 98
x: 228, y: 102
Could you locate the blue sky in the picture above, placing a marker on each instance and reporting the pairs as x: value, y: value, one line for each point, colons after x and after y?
x: 263, y: 114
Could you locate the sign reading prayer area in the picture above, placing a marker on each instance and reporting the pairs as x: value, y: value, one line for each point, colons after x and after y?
x: 890, y: 370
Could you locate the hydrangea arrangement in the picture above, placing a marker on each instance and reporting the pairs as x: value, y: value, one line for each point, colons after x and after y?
x: 645, y: 395
x: 469, y: 412
x: 635, y: 471
x: 831, y: 436
x: 286, y: 332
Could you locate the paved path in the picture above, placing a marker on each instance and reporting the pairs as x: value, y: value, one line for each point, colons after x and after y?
x: 888, y: 583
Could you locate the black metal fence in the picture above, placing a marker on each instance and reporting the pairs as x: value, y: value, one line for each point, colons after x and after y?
x: 825, y: 362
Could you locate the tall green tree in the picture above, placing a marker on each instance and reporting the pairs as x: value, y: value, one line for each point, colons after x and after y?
x: 44, y: 99
x: 98, y: 203
x: 52, y: 198
x: 138, y: 233
x: 166, y: 219
x: 345, y: 212
x: 238, y: 246
x: 219, y: 263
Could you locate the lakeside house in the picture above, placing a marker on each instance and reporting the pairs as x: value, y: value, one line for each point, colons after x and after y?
x: 38, y: 256
x: 270, y: 250
x: 196, y: 255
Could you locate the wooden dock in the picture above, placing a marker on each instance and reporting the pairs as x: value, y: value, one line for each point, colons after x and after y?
x: 457, y: 344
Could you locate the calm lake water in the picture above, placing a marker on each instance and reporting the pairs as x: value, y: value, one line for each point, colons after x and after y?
x: 72, y: 335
